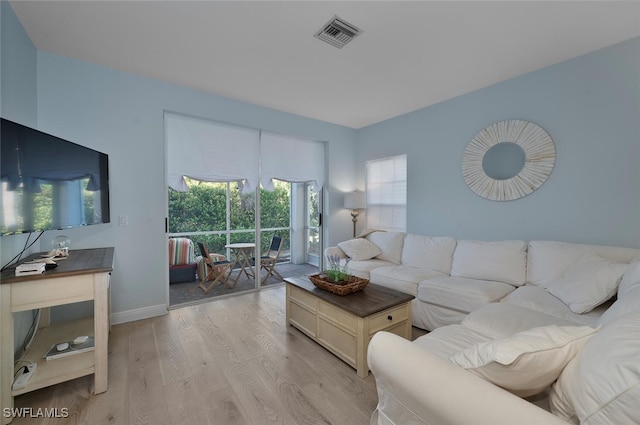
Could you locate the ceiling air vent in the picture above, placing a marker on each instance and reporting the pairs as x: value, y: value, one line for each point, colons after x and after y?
x: 338, y: 32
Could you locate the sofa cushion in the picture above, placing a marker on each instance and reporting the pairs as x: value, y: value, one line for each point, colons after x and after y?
x: 548, y: 260
x: 587, y: 283
x: 181, y: 251
x: 538, y: 299
x: 401, y: 278
x: 460, y: 293
x: 502, y: 261
x: 625, y: 304
x: 362, y: 268
x: 428, y: 252
x: 601, y: 385
x: 500, y: 320
x: 444, y: 342
x: 630, y: 278
x: 528, y: 362
x: 390, y: 243
x: 360, y: 249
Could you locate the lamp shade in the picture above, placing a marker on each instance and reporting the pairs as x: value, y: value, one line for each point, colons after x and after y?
x: 355, y: 200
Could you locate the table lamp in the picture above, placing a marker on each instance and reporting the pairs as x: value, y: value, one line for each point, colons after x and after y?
x: 355, y: 201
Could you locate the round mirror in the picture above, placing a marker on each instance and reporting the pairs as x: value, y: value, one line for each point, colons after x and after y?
x: 503, y: 161
x: 508, y: 160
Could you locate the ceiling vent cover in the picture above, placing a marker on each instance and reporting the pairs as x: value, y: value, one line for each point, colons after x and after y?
x: 338, y: 32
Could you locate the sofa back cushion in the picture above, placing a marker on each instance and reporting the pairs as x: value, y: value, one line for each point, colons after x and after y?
x: 502, y: 261
x: 547, y: 261
x: 601, y: 385
x: 390, y: 243
x: 626, y: 303
x: 181, y: 251
x: 428, y: 252
x: 527, y: 362
x: 630, y: 278
x: 588, y: 282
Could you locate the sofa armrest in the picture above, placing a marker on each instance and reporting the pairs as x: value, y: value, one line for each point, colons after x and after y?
x: 417, y: 387
x: 334, y: 250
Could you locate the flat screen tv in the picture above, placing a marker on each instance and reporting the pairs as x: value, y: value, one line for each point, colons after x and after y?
x: 49, y: 183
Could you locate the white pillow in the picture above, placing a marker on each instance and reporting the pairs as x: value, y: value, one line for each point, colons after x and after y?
x: 588, y: 283
x: 390, y: 243
x: 630, y: 278
x: 601, y: 385
x: 527, y: 362
x: 626, y: 303
x: 359, y: 249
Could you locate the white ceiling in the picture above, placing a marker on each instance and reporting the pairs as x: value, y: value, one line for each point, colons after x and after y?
x: 411, y: 54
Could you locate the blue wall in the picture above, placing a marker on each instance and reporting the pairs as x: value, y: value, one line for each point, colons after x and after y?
x: 18, y: 102
x: 122, y: 115
x: 19, y: 63
x: 591, y: 108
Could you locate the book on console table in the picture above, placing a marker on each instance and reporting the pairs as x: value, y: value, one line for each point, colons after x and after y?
x: 72, y: 349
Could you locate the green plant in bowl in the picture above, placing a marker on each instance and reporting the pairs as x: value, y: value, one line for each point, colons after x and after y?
x: 336, y: 272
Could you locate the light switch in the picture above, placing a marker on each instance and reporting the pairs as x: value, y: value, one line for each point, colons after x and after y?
x: 123, y: 220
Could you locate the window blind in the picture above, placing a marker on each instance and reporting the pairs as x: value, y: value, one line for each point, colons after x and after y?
x: 210, y: 151
x: 387, y: 193
x: 292, y: 160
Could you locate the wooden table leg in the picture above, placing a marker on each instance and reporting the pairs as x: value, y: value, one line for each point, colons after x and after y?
x: 6, y: 353
x: 101, y: 329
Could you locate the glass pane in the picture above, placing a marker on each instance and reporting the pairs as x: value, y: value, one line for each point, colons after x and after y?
x: 275, y: 207
x: 265, y: 240
x: 243, y: 209
x: 313, y: 207
x: 313, y: 247
x: 202, y: 208
x: 214, y: 243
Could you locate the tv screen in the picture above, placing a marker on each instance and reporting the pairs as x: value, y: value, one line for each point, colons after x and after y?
x: 49, y: 183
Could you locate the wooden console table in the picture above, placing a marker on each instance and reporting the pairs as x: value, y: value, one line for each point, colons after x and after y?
x: 83, y: 276
x: 344, y: 325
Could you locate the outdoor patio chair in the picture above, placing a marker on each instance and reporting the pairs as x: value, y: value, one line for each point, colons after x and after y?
x: 213, y: 268
x: 269, y: 259
x: 182, y: 264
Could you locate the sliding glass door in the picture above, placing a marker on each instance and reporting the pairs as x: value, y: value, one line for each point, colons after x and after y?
x: 231, y: 185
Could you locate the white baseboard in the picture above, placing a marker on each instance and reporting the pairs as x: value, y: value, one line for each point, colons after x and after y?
x: 138, y: 314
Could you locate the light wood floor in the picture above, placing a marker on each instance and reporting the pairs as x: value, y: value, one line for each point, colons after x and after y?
x: 230, y: 361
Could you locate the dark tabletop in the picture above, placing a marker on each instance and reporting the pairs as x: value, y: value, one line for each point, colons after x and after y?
x: 372, y: 299
x: 79, y: 261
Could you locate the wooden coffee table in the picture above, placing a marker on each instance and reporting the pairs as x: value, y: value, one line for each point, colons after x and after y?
x: 345, y: 324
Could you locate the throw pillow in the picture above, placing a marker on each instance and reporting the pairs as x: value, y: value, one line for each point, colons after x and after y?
x: 359, y: 249
x: 390, y: 243
x: 588, y: 283
x: 626, y: 303
x: 527, y: 362
x: 630, y: 278
x: 601, y: 385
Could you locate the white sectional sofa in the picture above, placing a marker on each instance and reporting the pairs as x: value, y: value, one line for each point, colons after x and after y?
x: 452, y: 278
x: 521, y: 333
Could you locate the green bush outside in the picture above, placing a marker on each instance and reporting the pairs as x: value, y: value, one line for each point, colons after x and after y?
x: 203, y: 208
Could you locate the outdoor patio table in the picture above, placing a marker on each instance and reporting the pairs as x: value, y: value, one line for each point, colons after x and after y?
x: 242, y: 254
